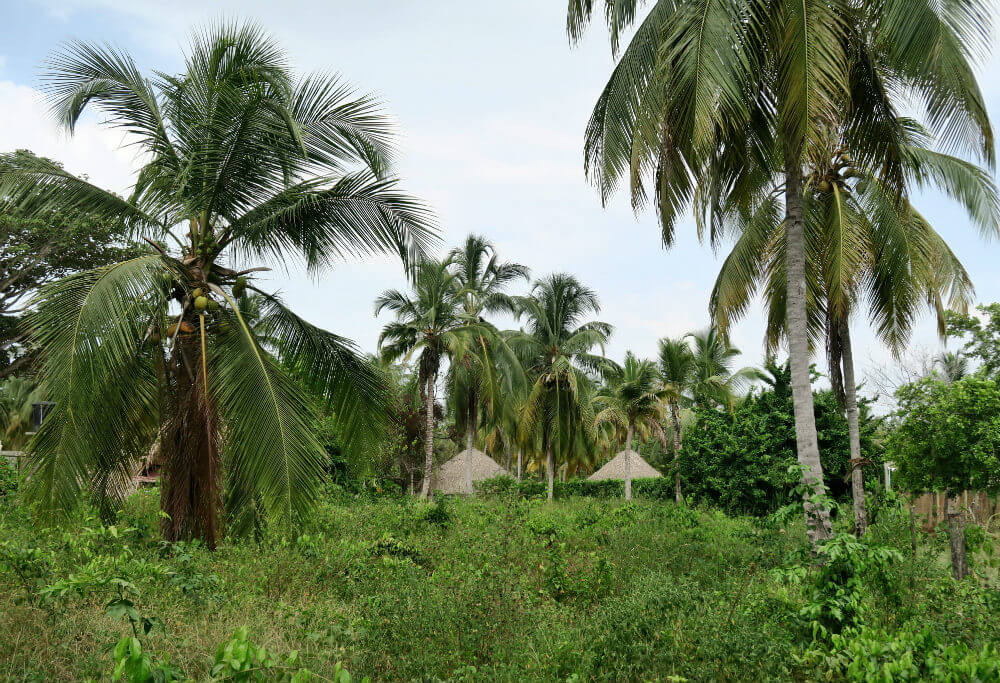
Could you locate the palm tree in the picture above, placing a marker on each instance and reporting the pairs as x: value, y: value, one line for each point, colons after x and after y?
x: 631, y: 399
x: 555, y: 351
x: 713, y: 99
x: 241, y: 160
x: 952, y: 366
x: 481, y: 377
x: 863, y: 245
x: 713, y: 382
x: 434, y: 322
x: 677, y: 372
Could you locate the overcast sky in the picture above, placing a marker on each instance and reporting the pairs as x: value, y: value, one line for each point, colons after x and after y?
x: 491, y: 103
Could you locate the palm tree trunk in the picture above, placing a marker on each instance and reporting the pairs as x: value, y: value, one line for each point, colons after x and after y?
x: 425, y: 487
x: 629, y: 434
x: 519, y: 464
x: 854, y: 430
x: 190, y: 494
x: 807, y: 443
x: 549, y: 471
x: 956, y: 536
x: 675, y: 417
x: 470, y: 438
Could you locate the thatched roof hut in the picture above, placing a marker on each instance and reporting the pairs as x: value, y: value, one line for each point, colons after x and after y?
x: 450, y: 476
x: 615, y: 468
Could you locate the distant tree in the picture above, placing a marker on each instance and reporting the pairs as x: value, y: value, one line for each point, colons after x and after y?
x: 556, y: 353
x: 433, y: 322
x: 677, y: 372
x: 948, y: 439
x: 981, y: 335
x: 38, y: 247
x: 631, y: 400
x: 477, y: 382
x: 714, y: 382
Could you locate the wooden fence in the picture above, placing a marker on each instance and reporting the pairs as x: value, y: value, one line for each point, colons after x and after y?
x: 981, y: 509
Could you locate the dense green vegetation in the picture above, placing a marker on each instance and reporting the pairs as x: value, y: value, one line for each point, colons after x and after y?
x: 277, y: 543
x: 494, y: 589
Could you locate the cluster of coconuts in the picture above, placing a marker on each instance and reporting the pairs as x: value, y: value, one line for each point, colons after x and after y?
x: 202, y: 302
x: 838, y: 174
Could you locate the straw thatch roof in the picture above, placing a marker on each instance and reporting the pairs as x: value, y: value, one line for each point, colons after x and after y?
x: 615, y: 468
x: 450, y: 476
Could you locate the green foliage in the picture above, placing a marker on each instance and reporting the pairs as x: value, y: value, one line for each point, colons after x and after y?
x: 9, y: 478
x: 870, y: 655
x: 509, y: 589
x: 847, y: 567
x: 659, y: 488
x: 948, y: 437
x: 981, y: 335
x: 739, y: 461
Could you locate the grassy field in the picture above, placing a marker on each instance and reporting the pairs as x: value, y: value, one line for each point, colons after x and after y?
x: 491, y: 590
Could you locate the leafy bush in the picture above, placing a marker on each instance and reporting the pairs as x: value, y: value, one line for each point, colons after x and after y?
x: 869, y: 655
x: 9, y: 478
x: 660, y: 488
x: 739, y: 461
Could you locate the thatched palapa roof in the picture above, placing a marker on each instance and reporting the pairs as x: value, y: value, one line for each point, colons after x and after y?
x: 450, y: 476
x: 615, y: 468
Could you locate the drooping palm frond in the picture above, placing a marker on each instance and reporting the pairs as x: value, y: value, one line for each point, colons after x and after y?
x: 96, y: 368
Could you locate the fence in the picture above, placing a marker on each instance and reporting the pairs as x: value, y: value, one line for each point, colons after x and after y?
x: 981, y: 508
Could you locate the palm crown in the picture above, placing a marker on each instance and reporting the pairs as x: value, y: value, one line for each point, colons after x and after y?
x: 241, y: 160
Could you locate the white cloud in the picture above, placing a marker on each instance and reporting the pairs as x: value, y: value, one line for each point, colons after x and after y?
x: 25, y: 123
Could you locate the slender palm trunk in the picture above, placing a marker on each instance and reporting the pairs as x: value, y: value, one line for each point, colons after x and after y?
x: 807, y: 443
x: 550, y: 467
x: 470, y: 440
x: 425, y: 488
x: 854, y: 431
x: 675, y: 417
x: 956, y: 536
x: 519, y: 464
x: 629, y: 434
x: 190, y: 494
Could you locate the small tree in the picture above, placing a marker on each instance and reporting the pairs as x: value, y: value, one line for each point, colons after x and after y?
x: 949, y: 440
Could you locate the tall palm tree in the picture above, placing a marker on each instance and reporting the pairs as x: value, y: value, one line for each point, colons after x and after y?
x: 631, y: 398
x: 242, y: 160
x: 713, y: 98
x: 863, y: 245
x: 713, y: 381
x: 481, y: 378
x: 677, y: 372
x: 555, y: 351
x: 432, y: 321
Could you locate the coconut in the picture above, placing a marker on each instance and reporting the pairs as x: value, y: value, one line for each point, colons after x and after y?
x: 201, y: 302
x: 196, y: 293
x: 213, y: 305
x: 185, y: 328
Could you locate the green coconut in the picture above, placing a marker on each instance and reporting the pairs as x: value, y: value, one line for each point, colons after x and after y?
x: 196, y: 293
x: 201, y: 303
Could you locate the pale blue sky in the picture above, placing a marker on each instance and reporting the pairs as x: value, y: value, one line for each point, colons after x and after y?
x: 491, y: 103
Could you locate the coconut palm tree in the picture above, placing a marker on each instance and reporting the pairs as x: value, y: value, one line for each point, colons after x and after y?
x: 241, y: 160
x: 677, y: 372
x: 631, y: 398
x: 712, y: 99
x: 434, y: 322
x: 481, y: 378
x: 555, y: 351
x: 863, y: 246
x: 713, y: 381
